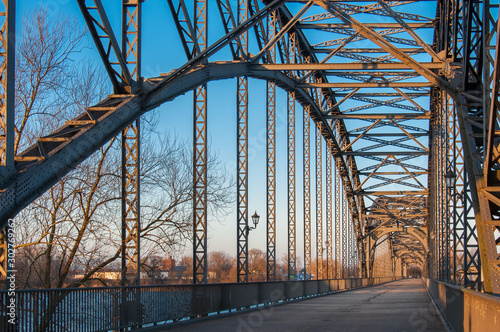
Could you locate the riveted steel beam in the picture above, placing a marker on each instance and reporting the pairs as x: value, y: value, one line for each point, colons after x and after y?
x: 393, y: 192
x: 346, y: 66
x: 366, y: 85
x: 395, y: 116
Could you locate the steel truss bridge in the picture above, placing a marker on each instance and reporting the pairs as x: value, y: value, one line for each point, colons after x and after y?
x: 400, y: 106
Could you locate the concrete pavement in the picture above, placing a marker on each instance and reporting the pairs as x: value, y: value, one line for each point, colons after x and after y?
x: 397, y: 306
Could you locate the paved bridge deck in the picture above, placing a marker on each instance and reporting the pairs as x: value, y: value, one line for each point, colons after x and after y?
x: 397, y: 306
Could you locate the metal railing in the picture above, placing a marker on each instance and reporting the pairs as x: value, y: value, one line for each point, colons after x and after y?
x: 464, y: 309
x: 119, y: 308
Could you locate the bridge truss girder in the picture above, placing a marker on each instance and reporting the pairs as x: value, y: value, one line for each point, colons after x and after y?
x: 456, y: 70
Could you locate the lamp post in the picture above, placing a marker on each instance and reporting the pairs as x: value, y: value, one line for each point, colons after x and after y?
x: 255, y: 220
x: 449, y: 179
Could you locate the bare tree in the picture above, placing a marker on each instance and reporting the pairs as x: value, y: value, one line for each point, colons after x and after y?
x: 187, y: 276
x: 43, y: 76
x: 74, y: 229
x: 221, y: 264
x: 256, y: 265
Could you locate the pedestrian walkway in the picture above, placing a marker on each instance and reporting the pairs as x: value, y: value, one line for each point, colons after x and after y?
x: 397, y: 306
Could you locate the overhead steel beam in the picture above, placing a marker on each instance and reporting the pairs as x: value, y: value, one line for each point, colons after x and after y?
x: 389, y: 134
x: 394, y: 116
x: 370, y: 34
x: 346, y: 66
x: 229, y: 22
x: 371, y: 25
x: 237, y: 33
x: 366, y: 85
x: 104, y: 38
x: 393, y: 193
x: 279, y: 34
x: 186, y: 28
x: 386, y: 153
x: 365, y: 50
x: 393, y: 173
x: 409, y: 30
x: 385, y: 94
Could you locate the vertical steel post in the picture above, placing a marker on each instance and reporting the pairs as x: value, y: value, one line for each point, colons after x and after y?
x: 271, y: 158
x: 291, y: 188
x: 271, y: 181
x: 319, y: 203
x: 329, y: 265
x: 351, y: 246
x: 338, y: 225
x: 307, y: 192
x: 242, y: 156
x: 345, y: 221
x: 450, y: 197
x: 200, y: 158
x: 130, y: 140
x: 292, y: 254
x: 433, y: 192
x: 7, y: 88
x: 455, y: 163
x: 443, y: 243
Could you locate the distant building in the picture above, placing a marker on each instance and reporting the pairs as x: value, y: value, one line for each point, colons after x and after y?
x: 168, y: 264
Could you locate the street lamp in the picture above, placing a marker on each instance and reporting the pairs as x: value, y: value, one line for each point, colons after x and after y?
x: 450, y: 179
x: 255, y: 219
